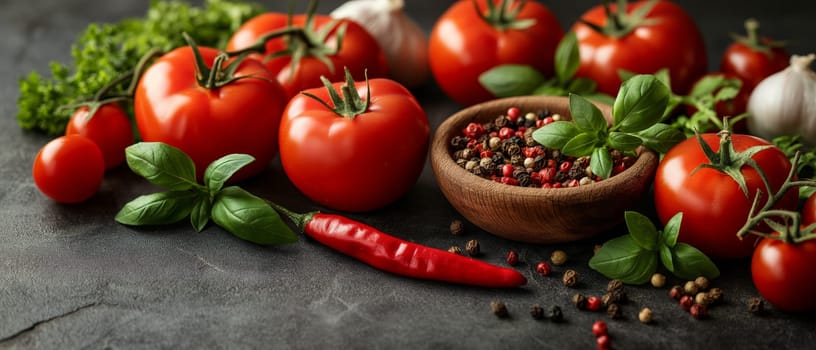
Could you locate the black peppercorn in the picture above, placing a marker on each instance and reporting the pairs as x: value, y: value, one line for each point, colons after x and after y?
x: 499, y: 309
x: 555, y: 314
x: 614, y: 285
x: 756, y: 306
x: 580, y: 301
x: 455, y: 250
x: 472, y: 247
x: 457, y: 227
x: 537, y: 312
x: 570, y: 278
x: 614, y: 311
x: 716, y: 295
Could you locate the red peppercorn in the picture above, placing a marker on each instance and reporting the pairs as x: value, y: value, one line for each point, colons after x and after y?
x: 513, y: 113
x: 519, y: 134
x: 547, y: 175
x: 474, y: 130
x: 551, y: 163
x: 603, y: 342
x: 508, y: 180
x: 594, y: 303
x: 565, y: 166
x: 512, y: 258
x: 573, y: 183
x: 486, y: 154
x: 557, y: 185
x: 543, y: 268
x: 546, y: 185
x: 599, y: 328
x: 698, y: 311
x: 507, y: 170
x: 506, y: 133
x: 686, y: 302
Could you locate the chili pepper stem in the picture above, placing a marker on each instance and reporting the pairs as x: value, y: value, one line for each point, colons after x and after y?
x: 299, y: 219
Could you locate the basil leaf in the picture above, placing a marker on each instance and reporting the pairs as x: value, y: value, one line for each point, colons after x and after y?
x: 511, y: 80
x: 600, y: 97
x: 581, y: 145
x: 586, y: 116
x: 219, y: 171
x: 661, y: 137
x: 249, y: 217
x: 161, y: 164
x: 567, y: 58
x: 666, y: 257
x: 623, y: 142
x: 726, y: 93
x: 200, y: 215
x: 642, y: 230
x: 672, y: 230
x: 583, y: 86
x: 640, y: 103
x: 157, y: 208
x: 706, y: 85
x: 601, y: 162
x: 623, y: 259
x: 689, y: 263
x: 555, y: 135
x: 548, y: 89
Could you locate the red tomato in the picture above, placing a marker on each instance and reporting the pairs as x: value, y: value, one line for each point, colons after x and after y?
x: 809, y: 210
x: 240, y: 117
x: 464, y: 44
x: 668, y: 38
x: 783, y: 273
x: 753, y: 59
x: 713, y: 205
x: 359, y: 51
x: 69, y: 169
x: 109, y: 128
x: 355, y: 164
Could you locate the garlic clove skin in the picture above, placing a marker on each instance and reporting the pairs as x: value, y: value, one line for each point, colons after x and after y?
x: 785, y: 103
x: 405, y: 43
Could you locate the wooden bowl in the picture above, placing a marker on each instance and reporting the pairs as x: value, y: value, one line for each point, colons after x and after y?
x: 535, y: 215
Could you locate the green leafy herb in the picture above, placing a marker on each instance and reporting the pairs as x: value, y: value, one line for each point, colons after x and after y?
x: 239, y: 212
x: 637, y: 111
x: 633, y: 258
x: 519, y: 80
x: 806, y: 165
x: 104, y: 52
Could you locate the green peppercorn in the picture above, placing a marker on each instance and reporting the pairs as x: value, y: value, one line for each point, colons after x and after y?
x: 455, y: 250
x: 645, y: 315
x: 702, y: 283
x: 658, y: 280
x: 558, y: 257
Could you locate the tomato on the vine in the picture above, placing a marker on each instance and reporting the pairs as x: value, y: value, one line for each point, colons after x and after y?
x: 752, y: 58
x: 354, y: 154
x: 784, y: 274
x: 809, y: 210
x: 714, y: 206
x: 472, y: 37
x: 109, y: 128
x: 211, y: 113
x: 664, y: 36
x: 69, y: 169
x: 298, y: 61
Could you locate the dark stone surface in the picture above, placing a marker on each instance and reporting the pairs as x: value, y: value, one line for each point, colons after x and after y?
x: 70, y: 277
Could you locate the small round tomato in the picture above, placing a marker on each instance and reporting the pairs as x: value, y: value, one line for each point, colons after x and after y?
x: 109, y: 128
x: 713, y: 205
x: 809, y: 210
x: 209, y: 122
x: 666, y: 37
x: 358, y: 51
x: 783, y: 273
x: 69, y: 169
x: 469, y: 39
x: 359, y: 161
x: 753, y: 58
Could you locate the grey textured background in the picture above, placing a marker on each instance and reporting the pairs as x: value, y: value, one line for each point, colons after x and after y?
x: 70, y: 277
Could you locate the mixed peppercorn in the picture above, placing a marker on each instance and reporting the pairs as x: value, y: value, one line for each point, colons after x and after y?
x: 504, y: 150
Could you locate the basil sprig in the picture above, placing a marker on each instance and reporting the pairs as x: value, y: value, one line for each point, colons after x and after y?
x: 638, y: 109
x: 508, y: 80
x: 633, y: 258
x: 232, y: 208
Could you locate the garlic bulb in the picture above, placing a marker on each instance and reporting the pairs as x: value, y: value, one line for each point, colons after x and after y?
x: 404, y: 42
x: 785, y: 103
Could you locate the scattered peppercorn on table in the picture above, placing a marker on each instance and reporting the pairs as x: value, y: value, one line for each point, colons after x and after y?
x: 71, y: 277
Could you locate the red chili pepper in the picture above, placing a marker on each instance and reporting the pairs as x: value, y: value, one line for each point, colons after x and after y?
x: 394, y: 255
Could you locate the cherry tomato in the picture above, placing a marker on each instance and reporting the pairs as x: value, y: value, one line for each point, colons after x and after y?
x: 207, y: 123
x: 783, y: 273
x: 464, y: 43
x: 809, y: 210
x: 713, y: 205
x: 355, y: 164
x: 109, y: 128
x: 359, y: 51
x: 752, y: 58
x: 69, y: 169
x: 666, y: 38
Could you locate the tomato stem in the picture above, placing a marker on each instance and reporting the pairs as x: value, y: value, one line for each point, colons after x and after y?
x: 502, y: 17
x: 350, y: 104
x: 753, y: 40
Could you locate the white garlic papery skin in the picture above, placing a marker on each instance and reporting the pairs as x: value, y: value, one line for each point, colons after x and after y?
x: 403, y: 40
x: 785, y: 103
